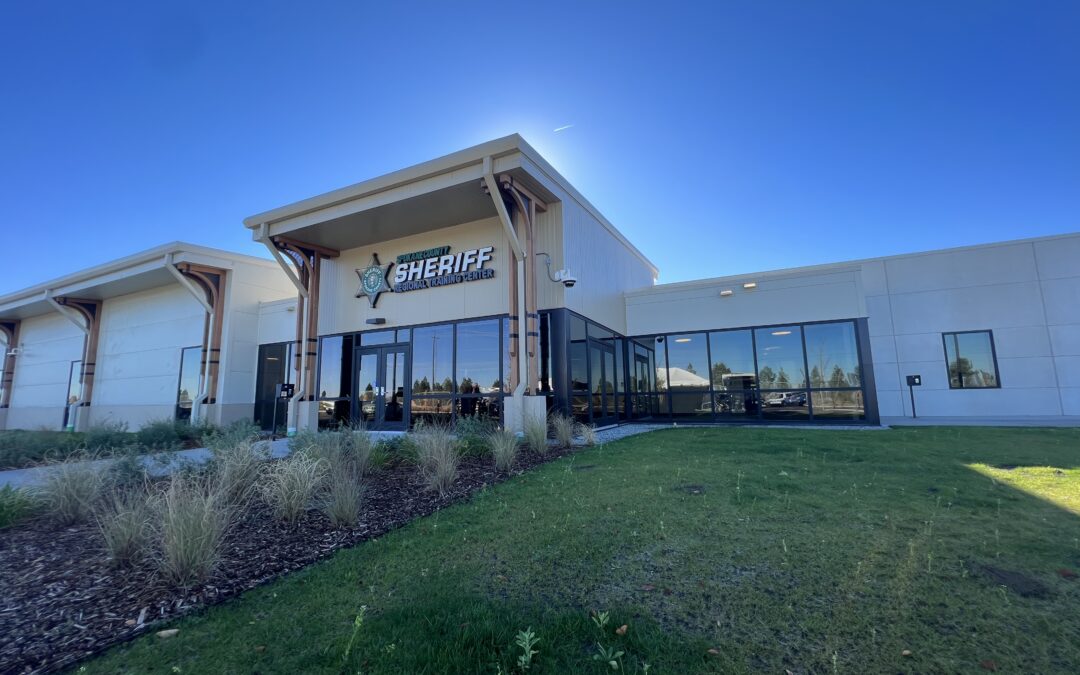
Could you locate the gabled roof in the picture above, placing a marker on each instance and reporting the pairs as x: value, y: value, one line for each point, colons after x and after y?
x: 130, y: 274
x: 509, y: 154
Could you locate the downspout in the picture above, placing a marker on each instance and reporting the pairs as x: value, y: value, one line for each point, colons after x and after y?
x: 263, y: 235
x: 75, y: 319
x: 200, y: 296
x: 519, y: 253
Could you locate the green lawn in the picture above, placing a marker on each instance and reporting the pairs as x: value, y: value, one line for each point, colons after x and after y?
x: 806, y: 550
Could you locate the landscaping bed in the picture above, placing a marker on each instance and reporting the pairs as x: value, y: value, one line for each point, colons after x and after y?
x: 61, y: 600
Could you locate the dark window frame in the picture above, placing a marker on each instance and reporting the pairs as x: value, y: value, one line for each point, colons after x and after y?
x: 993, y: 357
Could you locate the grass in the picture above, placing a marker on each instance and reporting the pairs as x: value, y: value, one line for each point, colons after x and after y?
x: 15, y: 505
x: 802, y: 550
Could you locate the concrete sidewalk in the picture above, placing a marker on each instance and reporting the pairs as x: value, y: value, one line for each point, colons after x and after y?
x: 158, y: 464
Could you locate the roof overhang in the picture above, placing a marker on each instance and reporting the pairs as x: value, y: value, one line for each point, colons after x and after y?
x: 426, y: 197
x: 134, y: 273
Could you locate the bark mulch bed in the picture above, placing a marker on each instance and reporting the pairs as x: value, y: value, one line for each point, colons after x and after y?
x: 61, y: 601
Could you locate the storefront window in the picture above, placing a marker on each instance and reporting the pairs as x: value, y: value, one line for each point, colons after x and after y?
x: 661, y: 364
x: 433, y: 359
x: 688, y: 362
x: 431, y: 411
x: 832, y: 355
x: 274, y: 368
x: 478, y: 357
x: 838, y: 405
x: 780, y: 358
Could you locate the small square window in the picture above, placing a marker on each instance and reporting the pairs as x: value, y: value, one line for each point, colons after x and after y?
x: 971, y: 360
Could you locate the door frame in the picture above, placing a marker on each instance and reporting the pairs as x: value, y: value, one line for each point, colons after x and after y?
x: 379, y: 422
x: 603, y: 418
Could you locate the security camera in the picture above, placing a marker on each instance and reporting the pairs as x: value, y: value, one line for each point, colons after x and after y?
x: 568, y: 280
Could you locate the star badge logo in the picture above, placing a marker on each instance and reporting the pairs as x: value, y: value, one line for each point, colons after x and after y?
x: 373, y: 280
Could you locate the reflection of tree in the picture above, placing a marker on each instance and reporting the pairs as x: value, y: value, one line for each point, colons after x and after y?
x: 690, y: 368
x: 423, y: 384
x: 964, y: 373
x: 767, y: 376
x: 782, y: 379
x: 719, y: 370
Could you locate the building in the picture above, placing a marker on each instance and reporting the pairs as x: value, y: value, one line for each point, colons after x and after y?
x: 483, y: 284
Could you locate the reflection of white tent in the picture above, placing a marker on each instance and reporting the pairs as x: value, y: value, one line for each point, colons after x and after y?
x: 681, y: 377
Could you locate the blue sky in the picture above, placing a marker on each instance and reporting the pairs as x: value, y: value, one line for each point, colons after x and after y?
x: 720, y: 138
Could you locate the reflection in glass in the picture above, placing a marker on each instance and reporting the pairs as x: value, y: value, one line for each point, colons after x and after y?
x: 478, y: 357
x: 846, y: 405
x: 579, y: 371
x: 366, y: 383
x: 335, y: 366
x: 971, y: 360
x: 483, y: 407
x: 832, y: 354
x: 274, y: 368
x: 692, y: 405
x: 688, y: 362
x: 377, y: 337
x: 660, y: 364
x: 433, y: 359
x: 732, y: 359
x: 190, y: 376
x: 788, y: 405
x: 394, y: 386
x: 780, y: 358
x: 430, y: 411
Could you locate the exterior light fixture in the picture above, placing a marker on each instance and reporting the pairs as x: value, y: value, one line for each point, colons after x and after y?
x: 781, y: 332
x: 377, y: 321
x: 727, y: 292
x: 750, y: 284
x: 682, y: 339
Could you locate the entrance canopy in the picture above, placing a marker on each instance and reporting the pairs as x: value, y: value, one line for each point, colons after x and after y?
x: 430, y: 196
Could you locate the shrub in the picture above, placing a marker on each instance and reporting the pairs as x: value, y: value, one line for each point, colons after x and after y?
x: 436, y: 456
x: 107, y: 436
x: 562, y: 428
x: 290, y: 485
x: 125, y: 523
x: 160, y: 435
x: 231, y: 435
x: 535, y: 432
x: 503, y: 444
x: 587, y: 433
x: 345, y: 450
x: 194, y: 520
x: 19, y: 448
x: 472, y: 434
x: 236, y: 467
x: 344, y: 496
x: 15, y: 504
x: 71, y: 490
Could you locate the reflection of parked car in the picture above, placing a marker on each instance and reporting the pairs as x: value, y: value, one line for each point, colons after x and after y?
x: 790, y: 399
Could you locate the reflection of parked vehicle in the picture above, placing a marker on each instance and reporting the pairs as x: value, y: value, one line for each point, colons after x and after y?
x: 788, y: 399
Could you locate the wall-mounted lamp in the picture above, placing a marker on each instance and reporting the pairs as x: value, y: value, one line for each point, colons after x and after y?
x: 750, y: 285
x: 562, y: 276
x: 377, y: 321
x: 726, y: 293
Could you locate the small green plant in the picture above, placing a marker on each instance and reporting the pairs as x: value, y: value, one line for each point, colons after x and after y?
x: 472, y: 434
x: 503, y: 444
x: 600, y: 620
x: 535, y: 431
x: 194, y: 518
x: 526, y: 640
x: 71, y: 490
x: 159, y: 435
x: 125, y: 522
x: 15, y: 504
x: 562, y: 428
x: 437, y: 456
x: 291, y: 484
x: 609, y: 655
x: 358, y: 623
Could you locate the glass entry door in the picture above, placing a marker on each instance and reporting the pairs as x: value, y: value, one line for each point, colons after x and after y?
x: 602, y: 383
x: 379, y: 387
